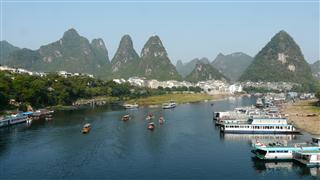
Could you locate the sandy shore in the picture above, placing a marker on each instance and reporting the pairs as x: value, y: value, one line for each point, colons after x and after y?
x: 303, y: 115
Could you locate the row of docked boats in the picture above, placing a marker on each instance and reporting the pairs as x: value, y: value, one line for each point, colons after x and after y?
x: 306, y: 153
x: 25, y: 117
x: 265, y: 118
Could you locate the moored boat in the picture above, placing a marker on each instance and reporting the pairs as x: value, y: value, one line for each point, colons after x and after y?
x: 131, y: 106
x: 280, y: 151
x: 42, y: 114
x: 310, y: 158
x: 16, y: 119
x: 86, y: 128
x: 260, y: 125
x: 169, y: 105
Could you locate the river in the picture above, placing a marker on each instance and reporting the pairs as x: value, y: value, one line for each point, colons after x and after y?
x: 187, y: 146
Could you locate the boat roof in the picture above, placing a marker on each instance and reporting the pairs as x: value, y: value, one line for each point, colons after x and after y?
x: 27, y: 113
x: 288, y: 148
x: 87, y: 125
x: 309, y: 152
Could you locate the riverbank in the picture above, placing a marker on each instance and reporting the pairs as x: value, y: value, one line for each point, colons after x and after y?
x: 304, y: 115
x: 178, y: 98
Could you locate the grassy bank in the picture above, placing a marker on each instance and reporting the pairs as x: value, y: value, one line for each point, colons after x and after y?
x: 178, y: 98
x: 299, y: 113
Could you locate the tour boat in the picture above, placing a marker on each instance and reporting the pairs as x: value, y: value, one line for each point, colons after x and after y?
x: 125, y: 117
x: 131, y: 106
x: 169, y: 105
x: 308, y: 157
x: 151, y: 126
x: 86, y: 128
x: 15, y: 119
x: 260, y: 125
x: 237, y: 113
x: 280, y: 151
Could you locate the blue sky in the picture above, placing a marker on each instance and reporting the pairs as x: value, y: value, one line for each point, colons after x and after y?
x: 187, y: 29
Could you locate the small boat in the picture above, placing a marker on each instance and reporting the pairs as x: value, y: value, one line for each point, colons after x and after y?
x: 125, y: 117
x: 151, y: 126
x: 169, y: 105
x: 86, y: 128
x: 161, y: 120
x: 131, y: 106
x: 149, y: 117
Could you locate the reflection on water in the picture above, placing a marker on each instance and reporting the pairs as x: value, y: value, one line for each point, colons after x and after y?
x: 283, y: 167
x: 263, y: 137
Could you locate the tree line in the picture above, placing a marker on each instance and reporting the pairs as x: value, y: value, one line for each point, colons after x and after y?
x: 52, y: 89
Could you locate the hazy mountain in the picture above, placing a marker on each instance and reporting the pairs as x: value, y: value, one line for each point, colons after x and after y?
x: 154, y: 63
x: 125, y: 62
x: 5, y: 49
x: 280, y: 60
x: 232, y: 65
x: 315, y: 68
x: 72, y: 53
x: 204, y: 72
x: 186, y: 68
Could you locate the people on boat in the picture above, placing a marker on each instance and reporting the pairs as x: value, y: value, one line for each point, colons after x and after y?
x: 86, y: 128
x: 125, y: 117
x: 161, y: 120
x: 151, y: 126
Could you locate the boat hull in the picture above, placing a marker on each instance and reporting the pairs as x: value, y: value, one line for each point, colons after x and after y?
x: 259, y: 132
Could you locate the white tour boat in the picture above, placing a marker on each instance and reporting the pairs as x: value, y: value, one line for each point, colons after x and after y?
x: 260, y: 125
x: 131, y: 106
x: 169, y: 105
x: 280, y: 151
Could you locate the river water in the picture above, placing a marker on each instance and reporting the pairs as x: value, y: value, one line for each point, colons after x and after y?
x: 187, y: 146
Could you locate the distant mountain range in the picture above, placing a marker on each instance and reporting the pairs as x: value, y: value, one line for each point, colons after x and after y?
x: 280, y: 60
x: 185, y: 69
x: 74, y: 53
x: 232, y: 65
x: 204, y: 72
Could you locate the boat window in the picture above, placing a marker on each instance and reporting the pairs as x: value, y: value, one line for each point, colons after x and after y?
x: 271, y: 151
